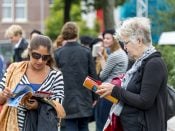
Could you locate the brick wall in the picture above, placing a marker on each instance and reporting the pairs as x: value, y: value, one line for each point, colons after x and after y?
x: 33, y: 17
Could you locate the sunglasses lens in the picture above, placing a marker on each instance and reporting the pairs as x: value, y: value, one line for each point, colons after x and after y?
x: 36, y: 55
x: 45, y: 57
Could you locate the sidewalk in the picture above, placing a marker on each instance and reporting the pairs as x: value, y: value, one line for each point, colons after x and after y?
x: 92, y: 126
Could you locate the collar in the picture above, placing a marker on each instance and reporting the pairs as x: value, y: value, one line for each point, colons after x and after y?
x: 17, y: 44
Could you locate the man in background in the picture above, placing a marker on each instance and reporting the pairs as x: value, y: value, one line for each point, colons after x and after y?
x: 15, y: 34
x: 76, y: 63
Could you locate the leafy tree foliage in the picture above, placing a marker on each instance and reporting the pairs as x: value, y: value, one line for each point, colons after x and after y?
x: 55, y: 21
x: 108, y: 8
x: 168, y: 53
x: 167, y: 16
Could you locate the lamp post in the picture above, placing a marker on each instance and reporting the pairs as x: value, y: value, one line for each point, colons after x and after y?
x: 42, y: 15
x: 142, y: 8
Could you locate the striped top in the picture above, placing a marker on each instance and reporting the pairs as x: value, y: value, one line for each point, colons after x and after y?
x: 116, y: 64
x: 53, y: 83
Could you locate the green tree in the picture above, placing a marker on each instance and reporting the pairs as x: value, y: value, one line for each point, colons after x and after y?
x: 108, y: 8
x: 67, y: 8
x: 55, y: 21
x: 168, y: 53
x: 167, y: 16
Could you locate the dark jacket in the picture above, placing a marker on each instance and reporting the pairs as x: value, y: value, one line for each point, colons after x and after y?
x: 18, y: 51
x: 145, y: 99
x: 42, y: 119
x: 76, y: 63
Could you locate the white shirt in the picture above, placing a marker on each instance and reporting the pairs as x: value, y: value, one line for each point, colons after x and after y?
x: 17, y: 44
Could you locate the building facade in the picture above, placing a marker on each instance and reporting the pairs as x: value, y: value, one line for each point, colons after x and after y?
x: 30, y: 14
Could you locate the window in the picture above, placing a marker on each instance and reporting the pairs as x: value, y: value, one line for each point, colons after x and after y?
x: 14, y: 11
x: 7, y: 10
x: 20, y: 10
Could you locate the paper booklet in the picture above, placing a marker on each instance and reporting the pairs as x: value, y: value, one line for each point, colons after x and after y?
x: 23, y: 89
x: 93, y: 85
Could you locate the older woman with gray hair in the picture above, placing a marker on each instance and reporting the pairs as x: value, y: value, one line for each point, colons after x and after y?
x: 143, y: 93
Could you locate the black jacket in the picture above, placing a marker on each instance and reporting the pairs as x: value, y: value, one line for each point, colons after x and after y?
x: 76, y: 63
x: 145, y: 100
x: 18, y: 51
x: 44, y: 118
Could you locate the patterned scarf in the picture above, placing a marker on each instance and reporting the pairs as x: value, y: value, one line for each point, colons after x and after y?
x: 129, y: 74
x: 117, y: 108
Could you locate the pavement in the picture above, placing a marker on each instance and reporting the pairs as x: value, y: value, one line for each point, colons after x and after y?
x: 92, y: 126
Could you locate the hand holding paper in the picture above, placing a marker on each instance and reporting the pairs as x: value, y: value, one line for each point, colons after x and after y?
x: 23, y: 92
x: 94, y: 86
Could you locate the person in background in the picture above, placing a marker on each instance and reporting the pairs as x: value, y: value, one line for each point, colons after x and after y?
x: 35, y: 32
x: 86, y: 41
x: 40, y: 74
x: 143, y: 95
x: 76, y: 63
x: 59, y: 42
x: 98, y: 47
x: 15, y: 34
x: 32, y: 34
x: 115, y: 65
x: 1, y: 66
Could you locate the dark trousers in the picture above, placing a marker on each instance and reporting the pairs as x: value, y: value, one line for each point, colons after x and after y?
x: 102, y: 110
x: 76, y: 124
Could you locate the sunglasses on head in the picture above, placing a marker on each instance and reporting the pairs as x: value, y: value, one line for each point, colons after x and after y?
x: 38, y: 56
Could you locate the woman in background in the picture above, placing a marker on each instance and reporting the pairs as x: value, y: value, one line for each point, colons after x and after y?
x: 115, y: 65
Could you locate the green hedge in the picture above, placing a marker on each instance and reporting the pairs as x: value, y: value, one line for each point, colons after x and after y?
x: 168, y: 53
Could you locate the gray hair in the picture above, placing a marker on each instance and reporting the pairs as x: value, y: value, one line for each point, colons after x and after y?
x: 137, y: 28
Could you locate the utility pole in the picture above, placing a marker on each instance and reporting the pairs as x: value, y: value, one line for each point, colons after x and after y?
x: 142, y: 8
x: 42, y: 4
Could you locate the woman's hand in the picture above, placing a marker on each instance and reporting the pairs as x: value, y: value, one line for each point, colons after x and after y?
x: 105, y: 89
x: 31, y: 104
x: 4, y: 95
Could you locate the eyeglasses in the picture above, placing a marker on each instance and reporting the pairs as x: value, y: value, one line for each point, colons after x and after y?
x: 125, y: 43
x: 37, y: 56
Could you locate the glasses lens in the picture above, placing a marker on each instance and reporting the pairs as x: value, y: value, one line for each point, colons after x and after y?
x: 45, y: 57
x: 36, y: 55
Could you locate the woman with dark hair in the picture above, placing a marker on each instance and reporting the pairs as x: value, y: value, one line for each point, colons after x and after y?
x: 39, y: 73
x: 115, y: 65
x: 35, y: 32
